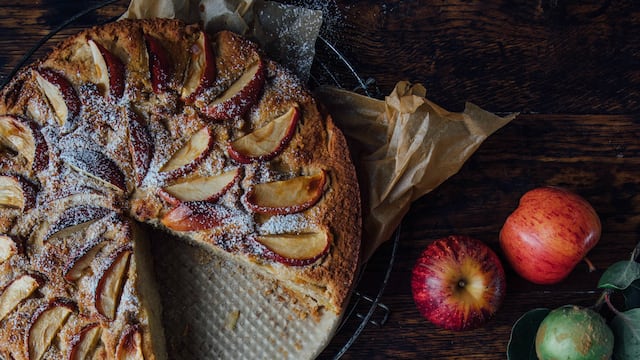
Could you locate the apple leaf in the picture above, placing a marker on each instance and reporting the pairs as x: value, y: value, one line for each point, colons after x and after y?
x: 626, y: 329
x: 620, y: 275
x: 522, y: 343
x: 632, y: 295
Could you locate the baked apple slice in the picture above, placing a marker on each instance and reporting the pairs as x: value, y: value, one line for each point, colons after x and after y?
x: 111, y: 283
x: 296, y: 249
x: 17, y: 192
x: 84, y: 343
x: 202, y: 69
x: 19, y: 289
x: 24, y: 137
x: 8, y: 248
x: 130, y: 344
x: 159, y: 64
x: 192, y: 153
x: 240, y: 96
x: 60, y: 93
x: 75, y: 219
x: 79, y: 264
x: 267, y: 142
x: 97, y: 166
x: 140, y: 144
x: 45, y: 325
x: 195, y: 216
x: 109, y: 69
x: 287, y: 196
x: 201, y: 188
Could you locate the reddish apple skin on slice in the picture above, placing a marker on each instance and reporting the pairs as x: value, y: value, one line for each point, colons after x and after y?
x: 296, y: 249
x: 202, y: 69
x: 111, y: 66
x: 61, y: 95
x: 23, y: 136
x: 287, y: 196
x: 130, y: 344
x: 96, y: 165
x: 76, y: 216
x: 111, y: 284
x: 267, y: 142
x: 159, y: 64
x: 190, y: 156
x: 17, y: 192
x: 239, y: 97
x: 195, y: 216
x: 84, y: 342
x: 140, y: 144
x: 45, y: 324
x: 200, y: 188
x: 18, y: 289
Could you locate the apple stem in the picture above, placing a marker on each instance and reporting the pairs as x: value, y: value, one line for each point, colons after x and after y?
x: 609, y: 304
x: 592, y: 267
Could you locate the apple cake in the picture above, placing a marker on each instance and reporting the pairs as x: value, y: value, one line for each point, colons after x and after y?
x: 158, y: 122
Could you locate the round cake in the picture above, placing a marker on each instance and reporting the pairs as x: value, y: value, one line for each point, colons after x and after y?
x: 199, y: 135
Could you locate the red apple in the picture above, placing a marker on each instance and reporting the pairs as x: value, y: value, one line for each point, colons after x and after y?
x: 549, y: 233
x: 458, y: 283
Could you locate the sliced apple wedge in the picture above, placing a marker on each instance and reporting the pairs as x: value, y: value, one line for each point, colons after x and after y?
x: 288, y: 196
x: 194, y: 216
x: 111, y: 283
x: 45, y: 326
x: 19, y: 289
x: 24, y: 137
x: 202, y: 69
x: 296, y: 249
x: 61, y: 95
x: 77, y: 267
x: 17, y: 192
x: 267, y: 142
x: 75, y: 219
x: 130, y: 344
x: 140, y: 144
x: 239, y: 97
x: 159, y: 64
x: 97, y: 166
x: 202, y: 188
x: 8, y: 248
x: 110, y: 70
x: 84, y: 343
x: 190, y: 155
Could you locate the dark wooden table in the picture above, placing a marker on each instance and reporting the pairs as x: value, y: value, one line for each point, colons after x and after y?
x: 572, y: 68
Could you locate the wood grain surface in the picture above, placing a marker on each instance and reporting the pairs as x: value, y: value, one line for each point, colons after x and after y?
x: 571, y: 68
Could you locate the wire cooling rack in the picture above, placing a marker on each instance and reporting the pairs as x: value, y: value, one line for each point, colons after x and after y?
x: 330, y: 67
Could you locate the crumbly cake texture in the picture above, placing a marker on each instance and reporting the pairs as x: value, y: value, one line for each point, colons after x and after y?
x: 112, y: 155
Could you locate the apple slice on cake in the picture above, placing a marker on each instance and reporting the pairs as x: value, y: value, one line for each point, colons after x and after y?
x: 109, y: 288
x: 296, y: 249
x: 240, y: 96
x: 201, y: 188
x: 110, y: 70
x: 267, y: 142
x: 19, y: 289
x: 17, y: 192
x: 23, y: 136
x: 202, y: 69
x: 83, y: 344
x: 97, y: 166
x: 61, y: 95
x: 190, y: 155
x: 46, y: 324
x: 288, y: 196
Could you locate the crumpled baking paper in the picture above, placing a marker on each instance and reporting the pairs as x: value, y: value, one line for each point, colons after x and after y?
x: 403, y: 147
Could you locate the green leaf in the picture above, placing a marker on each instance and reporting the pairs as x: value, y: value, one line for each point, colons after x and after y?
x: 522, y: 343
x: 632, y: 295
x: 626, y: 329
x: 620, y: 275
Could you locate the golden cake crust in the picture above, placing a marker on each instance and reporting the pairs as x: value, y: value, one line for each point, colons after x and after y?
x: 134, y: 137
